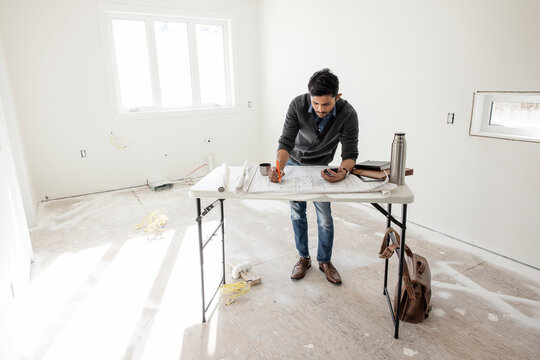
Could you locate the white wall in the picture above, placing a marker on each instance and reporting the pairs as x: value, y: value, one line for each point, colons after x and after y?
x: 12, y: 127
x: 15, y: 249
x: 56, y: 60
x: 404, y: 66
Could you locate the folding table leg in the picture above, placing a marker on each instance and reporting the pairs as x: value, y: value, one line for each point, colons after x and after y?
x: 201, y: 257
x: 202, y: 244
x: 223, y: 239
x: 388, y: 222
x: 403, y: 225
x: 400, y: 268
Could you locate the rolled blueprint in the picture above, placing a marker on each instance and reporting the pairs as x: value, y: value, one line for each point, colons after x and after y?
x: 223, y: 177
x: 241, y: 178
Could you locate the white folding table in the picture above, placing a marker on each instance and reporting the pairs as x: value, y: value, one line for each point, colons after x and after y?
x: 206, y: 188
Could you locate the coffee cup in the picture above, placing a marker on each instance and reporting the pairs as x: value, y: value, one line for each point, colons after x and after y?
x: 264, y: 168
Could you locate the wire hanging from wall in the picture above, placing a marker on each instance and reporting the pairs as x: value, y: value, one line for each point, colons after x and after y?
x: 114, y: 142
x: 188, y: 180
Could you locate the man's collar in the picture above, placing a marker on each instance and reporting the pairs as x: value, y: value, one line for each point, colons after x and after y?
x: 333, y: 113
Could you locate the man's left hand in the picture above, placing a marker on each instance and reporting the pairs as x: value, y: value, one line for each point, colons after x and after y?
x: 334, y: 176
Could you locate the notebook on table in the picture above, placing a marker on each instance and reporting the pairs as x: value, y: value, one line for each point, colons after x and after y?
x: 373, y: 165
x: 378, y: 174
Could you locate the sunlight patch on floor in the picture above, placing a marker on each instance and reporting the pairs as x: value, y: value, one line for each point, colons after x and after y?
x: 52, y: 290
x: 104, y: 323
x: 180, y: 306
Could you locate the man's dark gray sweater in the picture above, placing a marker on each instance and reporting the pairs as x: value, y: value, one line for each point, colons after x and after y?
x: 306, y: 146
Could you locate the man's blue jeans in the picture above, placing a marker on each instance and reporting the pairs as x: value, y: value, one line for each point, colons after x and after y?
x: 325, y: 225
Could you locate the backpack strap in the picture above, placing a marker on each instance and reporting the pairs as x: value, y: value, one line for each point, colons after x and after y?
x: 387, y: 250
x: 421, y: 269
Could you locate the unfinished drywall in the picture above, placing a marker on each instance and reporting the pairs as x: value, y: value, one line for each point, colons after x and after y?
x: 405, y: 66
x: 13, y: 133
x: 15, y: 248
x: 57, y: 63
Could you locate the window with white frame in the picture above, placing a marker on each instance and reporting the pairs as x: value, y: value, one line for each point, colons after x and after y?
x: 513, y: 115
x: 168, y: 62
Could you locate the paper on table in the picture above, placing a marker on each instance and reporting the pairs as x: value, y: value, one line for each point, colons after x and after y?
x: 251, y: 172
x: 288, y: 196
x: 380, y: 192
x: 243, y: 182
x: 307, y: 179
x: 210, y: 182
x: 224, y: 175
x: 241, y: 177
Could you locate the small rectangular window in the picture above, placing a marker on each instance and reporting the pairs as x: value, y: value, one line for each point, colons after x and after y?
x: 523, y: 115
x: 166, y: 62
x: 513, y: 115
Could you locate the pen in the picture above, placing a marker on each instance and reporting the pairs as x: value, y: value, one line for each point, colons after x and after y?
x: 278, y: 171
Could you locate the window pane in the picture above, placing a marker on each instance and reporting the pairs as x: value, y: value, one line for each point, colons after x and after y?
x: 210, y: 52
x: 131, y: 53
x: 515, y: 114
x: 173, y: 63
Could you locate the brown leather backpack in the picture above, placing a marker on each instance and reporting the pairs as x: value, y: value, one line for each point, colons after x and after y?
x: 416, y: 286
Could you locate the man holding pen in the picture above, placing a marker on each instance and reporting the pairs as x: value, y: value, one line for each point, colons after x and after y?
x: 315, y: 124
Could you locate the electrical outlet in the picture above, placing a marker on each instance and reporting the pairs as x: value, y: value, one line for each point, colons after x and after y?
x: 450, y: 118
x: 83, y: 153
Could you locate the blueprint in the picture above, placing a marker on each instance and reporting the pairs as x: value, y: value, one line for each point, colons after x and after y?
x: 305, y: 179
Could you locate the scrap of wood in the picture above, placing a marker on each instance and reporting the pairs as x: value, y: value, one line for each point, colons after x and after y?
x: 250, y: 278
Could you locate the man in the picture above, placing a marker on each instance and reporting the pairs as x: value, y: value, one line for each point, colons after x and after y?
x: 314, y: 126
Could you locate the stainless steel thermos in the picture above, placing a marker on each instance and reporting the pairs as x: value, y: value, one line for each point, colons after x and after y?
x: 397, y: 159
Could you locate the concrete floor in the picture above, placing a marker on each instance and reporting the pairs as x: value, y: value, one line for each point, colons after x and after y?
x: 102, y: 290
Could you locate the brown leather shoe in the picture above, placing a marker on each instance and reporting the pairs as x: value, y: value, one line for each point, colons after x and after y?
x: 300, y: 268
x: 330, y: 271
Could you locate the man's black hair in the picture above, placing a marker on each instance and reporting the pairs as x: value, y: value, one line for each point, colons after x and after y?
x: 322, y: 83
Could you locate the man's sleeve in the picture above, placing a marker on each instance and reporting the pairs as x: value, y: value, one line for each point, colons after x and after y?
x: 290, y: 129
x: 349, y: 138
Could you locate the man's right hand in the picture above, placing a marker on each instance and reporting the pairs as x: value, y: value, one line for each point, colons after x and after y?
x: 274, y: 176
x: 282, y: 158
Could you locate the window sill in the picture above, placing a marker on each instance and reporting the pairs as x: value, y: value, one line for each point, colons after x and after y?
x: 167, y: 114
x: 504, y: 135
